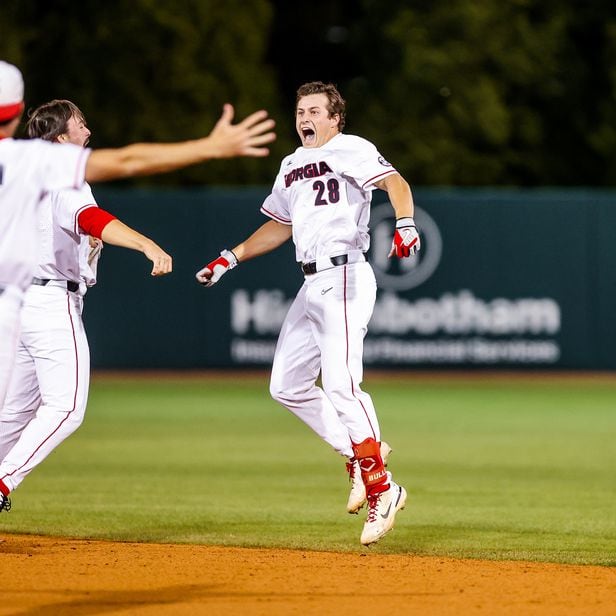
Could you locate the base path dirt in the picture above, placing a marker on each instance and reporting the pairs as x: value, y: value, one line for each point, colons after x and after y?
x: 44, y: 576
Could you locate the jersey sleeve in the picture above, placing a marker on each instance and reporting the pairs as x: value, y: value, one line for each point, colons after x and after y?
x: 64, y: 165
x: 276, y: 206
x: 68, y: 204
x: 365, y: 164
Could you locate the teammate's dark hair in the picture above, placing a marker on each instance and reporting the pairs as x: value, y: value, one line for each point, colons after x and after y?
x: 49, y: 121
x: 336, y: 104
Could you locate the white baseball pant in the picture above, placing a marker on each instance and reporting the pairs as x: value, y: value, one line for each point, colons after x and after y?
x: 48, y: 391
x: 324, y: 331
x: 11, y: 298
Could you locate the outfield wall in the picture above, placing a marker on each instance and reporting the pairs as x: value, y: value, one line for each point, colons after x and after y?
x: 506, y: 278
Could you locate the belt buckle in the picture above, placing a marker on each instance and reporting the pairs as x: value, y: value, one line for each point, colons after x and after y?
x: 309, y: 268
x: 339, y: 260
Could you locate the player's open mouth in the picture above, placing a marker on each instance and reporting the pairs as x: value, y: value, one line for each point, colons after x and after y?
x: 309, y: 136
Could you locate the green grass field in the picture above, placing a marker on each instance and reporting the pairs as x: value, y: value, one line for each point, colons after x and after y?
x: 496, y: 469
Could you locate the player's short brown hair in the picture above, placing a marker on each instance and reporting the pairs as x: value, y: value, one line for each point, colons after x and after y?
x: 49, y: 121
x: 336, y: 104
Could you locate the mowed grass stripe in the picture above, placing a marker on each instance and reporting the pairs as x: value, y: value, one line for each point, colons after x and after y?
x: 507, y: 469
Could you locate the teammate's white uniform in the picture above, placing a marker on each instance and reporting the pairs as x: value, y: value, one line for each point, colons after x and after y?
x: 325, y: 194
x: 28, y: 169
x: 48, y: 391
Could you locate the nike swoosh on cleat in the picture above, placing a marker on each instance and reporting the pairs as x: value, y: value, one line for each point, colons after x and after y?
x: 386, y: 514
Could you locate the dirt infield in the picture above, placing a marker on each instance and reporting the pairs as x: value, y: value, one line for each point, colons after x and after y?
x: 44, y: 576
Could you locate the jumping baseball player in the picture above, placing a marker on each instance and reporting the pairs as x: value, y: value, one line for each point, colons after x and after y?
x: 29, y: 169
x: 48, y: 391
x: 321, y: 198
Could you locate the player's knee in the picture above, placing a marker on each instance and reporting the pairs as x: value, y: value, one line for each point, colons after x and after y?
x: 73, y: 421
x: 277, y: 392
x: 280, y: 393
x: 68, y: 422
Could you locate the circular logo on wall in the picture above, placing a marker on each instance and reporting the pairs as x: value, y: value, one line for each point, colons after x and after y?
x: 403, y: 274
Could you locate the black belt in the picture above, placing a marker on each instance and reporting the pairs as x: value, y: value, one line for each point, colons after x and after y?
x: 70, y: 285
x: 311, y: 267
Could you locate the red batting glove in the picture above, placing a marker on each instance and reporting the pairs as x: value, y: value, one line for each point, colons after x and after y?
x: 212, y: 272
x: 406, y: 238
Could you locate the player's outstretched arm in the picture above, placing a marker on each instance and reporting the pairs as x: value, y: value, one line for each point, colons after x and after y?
x: 227, y: 140
x: 119, y: 234
x: 265, y: 239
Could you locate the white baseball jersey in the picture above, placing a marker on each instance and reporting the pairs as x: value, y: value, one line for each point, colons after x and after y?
x: 325, y: 193
x: 64, y: 247
x: 28, y: 169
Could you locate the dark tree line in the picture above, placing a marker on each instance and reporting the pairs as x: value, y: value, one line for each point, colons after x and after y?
x: 517, y: 92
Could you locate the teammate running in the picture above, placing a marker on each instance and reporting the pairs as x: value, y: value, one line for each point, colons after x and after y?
x: 28, y: 169
x: 48, y: 391
x: 321, y: 198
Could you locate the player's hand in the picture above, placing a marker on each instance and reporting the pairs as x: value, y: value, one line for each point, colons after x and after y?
x: 406, y: 238
x: 213, y: 271
x: 244, y: 139
x: 162, y: 263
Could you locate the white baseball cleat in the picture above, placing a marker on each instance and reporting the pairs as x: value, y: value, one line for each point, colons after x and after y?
x: 357, y: 497
x: 382, y: 510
